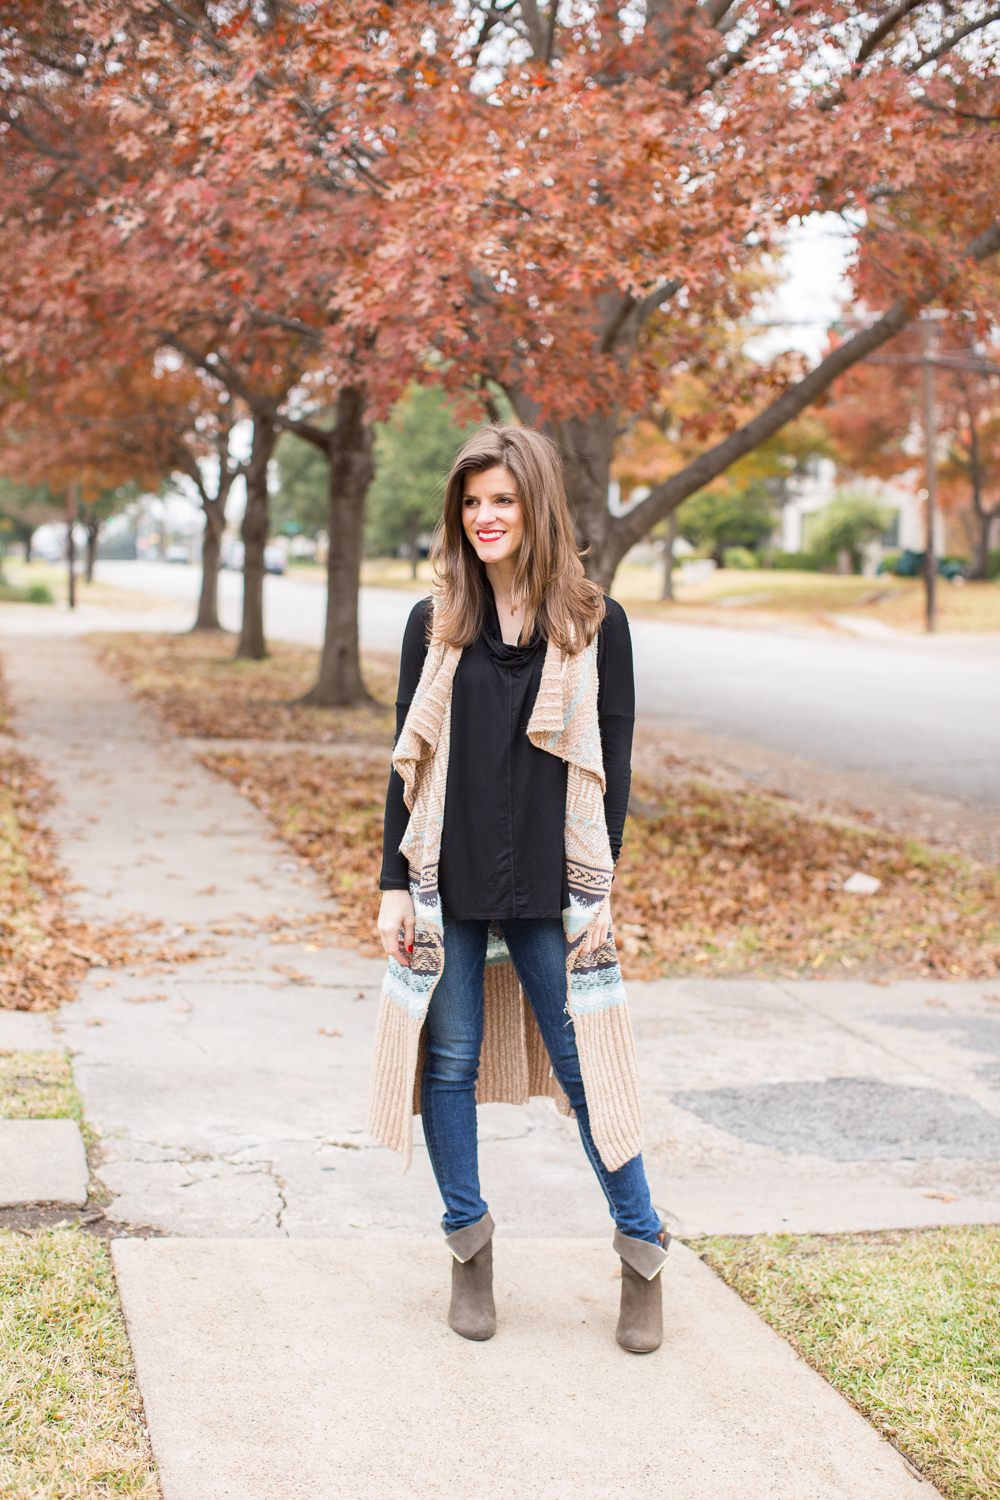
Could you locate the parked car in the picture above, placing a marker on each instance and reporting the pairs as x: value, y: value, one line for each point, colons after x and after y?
x: 176, y: 554
x: 910, y: 564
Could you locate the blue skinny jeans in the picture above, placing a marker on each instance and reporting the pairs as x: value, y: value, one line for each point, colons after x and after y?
x: 454, y: 1040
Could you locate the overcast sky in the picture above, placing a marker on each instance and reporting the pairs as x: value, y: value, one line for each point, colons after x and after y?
x: 818, y: 250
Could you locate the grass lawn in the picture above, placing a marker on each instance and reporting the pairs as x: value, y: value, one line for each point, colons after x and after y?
x: 760, y: 598
x: 396, y: 573
x: 53, y: 577
x: 38, y: 1086
x: 903, y: 1323
x: 73, y: 1423
x: 71, y: 1413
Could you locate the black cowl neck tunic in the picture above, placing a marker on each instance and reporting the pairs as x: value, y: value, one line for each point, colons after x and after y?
x: 502, y: 845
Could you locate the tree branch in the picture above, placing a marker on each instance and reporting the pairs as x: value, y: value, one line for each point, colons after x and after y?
x: 308, y: 431
x: 635, y: 313
x: 714, y: 461
x: 716, y: 10
x: 888, y: 23
x: 952, y: 41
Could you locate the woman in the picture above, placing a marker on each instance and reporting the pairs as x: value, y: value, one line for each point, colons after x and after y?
x: 504, y: 815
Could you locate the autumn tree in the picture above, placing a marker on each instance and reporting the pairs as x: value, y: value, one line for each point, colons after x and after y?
x: 554, y: 200
x: 238, y: 291
x: 26, y: 507
x: 970, y: 473
x: 612, y: 186
x: 112, y: 429
x: 875, y: 417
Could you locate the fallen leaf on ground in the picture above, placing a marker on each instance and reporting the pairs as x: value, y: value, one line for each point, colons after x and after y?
x: 200, y: 691
x: 711, y: 879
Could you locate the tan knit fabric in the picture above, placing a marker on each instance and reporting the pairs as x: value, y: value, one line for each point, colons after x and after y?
x: 514, y: 1064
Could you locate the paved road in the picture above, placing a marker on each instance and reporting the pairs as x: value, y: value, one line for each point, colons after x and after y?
x: 926, y: 715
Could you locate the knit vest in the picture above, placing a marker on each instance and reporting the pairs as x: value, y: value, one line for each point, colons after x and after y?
x: 514, y: 1064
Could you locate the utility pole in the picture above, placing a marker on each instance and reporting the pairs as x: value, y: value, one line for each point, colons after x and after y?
x: 930, y: 469
x: 72, y: 506
x: 929, y: 360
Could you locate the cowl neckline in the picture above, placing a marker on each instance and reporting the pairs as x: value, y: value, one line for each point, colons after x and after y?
x: 492, y: 636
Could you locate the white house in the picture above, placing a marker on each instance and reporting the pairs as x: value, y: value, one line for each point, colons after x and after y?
x: 811, y: 491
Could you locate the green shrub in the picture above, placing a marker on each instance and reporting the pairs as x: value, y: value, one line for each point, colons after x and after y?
x: 802, y: 562
x: 740, y: 557
x: 40, y: 593
x: 851, y: 520
x: 993, y: 571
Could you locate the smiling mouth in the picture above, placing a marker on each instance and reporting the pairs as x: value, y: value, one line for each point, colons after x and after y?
x: 490, y: 536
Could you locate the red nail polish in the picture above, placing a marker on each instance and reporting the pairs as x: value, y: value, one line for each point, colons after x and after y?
x: 410, y: 948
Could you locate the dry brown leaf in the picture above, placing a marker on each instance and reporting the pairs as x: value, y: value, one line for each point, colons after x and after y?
x: 200, y: 691
x: 711, y: 880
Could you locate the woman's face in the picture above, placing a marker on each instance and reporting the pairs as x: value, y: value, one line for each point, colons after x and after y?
x: 491, y: 515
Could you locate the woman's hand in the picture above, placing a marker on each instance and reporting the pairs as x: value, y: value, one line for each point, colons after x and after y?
x: 395, y: 913
x: 599, y: 931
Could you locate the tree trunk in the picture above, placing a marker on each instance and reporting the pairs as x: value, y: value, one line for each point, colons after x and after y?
x: 339, y: 684
x: 980, y: 570
x: 70, y: 565
x: 411, y: 527
x: 211, y: 552
x: 254, y: 533
x: 587, y: 446
x: 72, y: 511
x: 668, y: 556
x: 93, y: 532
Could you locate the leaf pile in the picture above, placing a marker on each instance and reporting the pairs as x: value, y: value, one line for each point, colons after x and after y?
x: 711, y: 880
x: 44, y: 953
x: 200, y: 691
x: 902, y: 1323
x: 723, y: 881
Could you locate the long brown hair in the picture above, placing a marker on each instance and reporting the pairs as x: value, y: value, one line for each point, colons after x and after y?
x: 549, y: 582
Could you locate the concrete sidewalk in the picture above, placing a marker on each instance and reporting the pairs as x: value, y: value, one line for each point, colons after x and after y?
x: 229, y: 1094
x: 310, y: 1370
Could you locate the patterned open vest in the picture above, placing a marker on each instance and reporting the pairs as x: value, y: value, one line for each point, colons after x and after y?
x: 514, y: 1064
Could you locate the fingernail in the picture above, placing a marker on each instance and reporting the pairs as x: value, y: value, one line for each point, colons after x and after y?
x: 410, y: 948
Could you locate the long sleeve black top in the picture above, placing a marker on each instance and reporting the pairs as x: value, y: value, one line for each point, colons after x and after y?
x: 502, y: 845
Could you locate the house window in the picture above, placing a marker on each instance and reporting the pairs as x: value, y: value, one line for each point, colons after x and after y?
x: 890, y: 536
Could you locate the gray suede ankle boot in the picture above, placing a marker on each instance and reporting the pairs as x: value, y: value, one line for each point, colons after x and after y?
x: 640, y: 1322
x: 472, y: 1313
